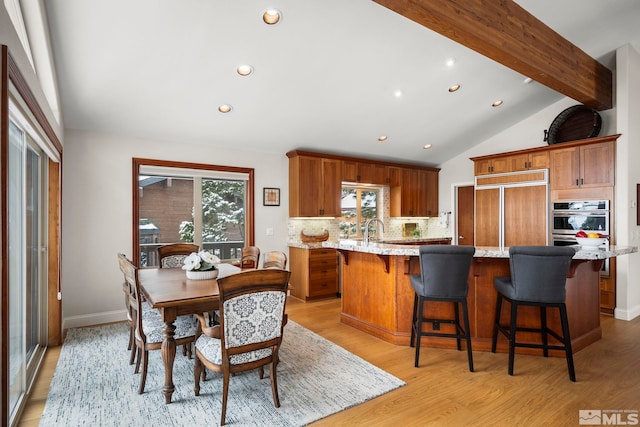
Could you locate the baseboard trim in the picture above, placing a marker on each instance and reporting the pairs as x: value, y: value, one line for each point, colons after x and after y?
x: 94, y: 319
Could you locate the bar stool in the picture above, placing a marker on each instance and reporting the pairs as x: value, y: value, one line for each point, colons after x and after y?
x: 444, y: 270
x: 538, y: 278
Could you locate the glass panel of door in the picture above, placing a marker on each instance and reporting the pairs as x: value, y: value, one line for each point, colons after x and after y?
x: 26, y: 304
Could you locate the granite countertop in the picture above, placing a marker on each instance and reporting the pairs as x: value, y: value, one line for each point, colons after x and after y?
x: 483, y: 251
x: 412, y: 241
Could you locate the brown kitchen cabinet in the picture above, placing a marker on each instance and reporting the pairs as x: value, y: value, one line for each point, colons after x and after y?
x: 528, y: 161
x: 583, y: 166
x: 314, y: 273
x: 314, y: 187
x: 364, y: 172
x: 492, y: 165
x: 417, y: 194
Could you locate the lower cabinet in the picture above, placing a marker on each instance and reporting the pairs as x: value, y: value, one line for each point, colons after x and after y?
x: 314, y: 273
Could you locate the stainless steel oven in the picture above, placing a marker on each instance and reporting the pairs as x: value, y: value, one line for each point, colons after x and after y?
x: 571, y: 216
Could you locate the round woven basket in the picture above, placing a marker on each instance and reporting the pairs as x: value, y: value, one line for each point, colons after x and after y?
x: 574, y: 123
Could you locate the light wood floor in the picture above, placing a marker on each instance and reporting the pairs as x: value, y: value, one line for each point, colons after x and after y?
x: 443, y: 392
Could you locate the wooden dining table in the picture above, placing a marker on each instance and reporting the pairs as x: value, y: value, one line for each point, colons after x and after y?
x: 170, y: 292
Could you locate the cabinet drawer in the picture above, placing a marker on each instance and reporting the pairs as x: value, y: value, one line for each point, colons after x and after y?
x: 322, y: 253
x: 322, y: 264
x: 323, y: 286
x: 328, y: 273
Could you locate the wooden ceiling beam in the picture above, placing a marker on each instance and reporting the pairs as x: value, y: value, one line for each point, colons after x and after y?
x: 507, y: 33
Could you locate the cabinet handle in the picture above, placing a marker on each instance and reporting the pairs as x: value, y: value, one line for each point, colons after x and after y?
x: 577, y: 182
x: 581, y: 181
x: 358, y: 178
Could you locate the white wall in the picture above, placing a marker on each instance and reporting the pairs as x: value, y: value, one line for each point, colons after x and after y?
x: 96, y: 213
x: 627, y: 177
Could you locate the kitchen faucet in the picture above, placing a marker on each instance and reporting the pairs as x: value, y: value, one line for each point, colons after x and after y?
x: 366, y: 228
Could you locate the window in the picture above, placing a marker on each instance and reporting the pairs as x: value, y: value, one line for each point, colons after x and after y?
x: 211, y: 206
x: 357, y: 205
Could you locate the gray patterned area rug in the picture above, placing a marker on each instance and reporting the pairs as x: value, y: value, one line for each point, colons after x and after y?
x: 94, y: 385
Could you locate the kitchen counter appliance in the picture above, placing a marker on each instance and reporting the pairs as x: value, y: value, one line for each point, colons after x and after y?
x: 571, y: 216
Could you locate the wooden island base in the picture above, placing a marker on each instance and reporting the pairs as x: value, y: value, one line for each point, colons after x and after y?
x: 377, y: 298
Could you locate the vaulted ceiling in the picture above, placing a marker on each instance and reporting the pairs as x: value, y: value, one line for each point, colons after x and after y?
x: 332, y: 75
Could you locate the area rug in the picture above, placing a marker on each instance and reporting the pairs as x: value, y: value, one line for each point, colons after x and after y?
x: 94, y: 385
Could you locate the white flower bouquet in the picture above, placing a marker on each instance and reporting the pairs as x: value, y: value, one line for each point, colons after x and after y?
x: 201, y: 261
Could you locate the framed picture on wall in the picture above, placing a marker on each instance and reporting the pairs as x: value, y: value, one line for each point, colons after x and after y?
x: 271, y: 196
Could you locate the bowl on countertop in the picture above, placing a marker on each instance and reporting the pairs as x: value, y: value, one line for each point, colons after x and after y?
x: 591, y: 242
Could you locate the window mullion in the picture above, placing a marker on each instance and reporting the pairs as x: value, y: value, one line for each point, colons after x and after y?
x: 197, y: 211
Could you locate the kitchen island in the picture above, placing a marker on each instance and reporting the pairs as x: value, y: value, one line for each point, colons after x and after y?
x: 377, y: 296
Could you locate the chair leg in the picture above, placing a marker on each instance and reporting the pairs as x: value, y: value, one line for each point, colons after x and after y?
x: 131, y: 339
x: 197, y: 372
x: 567, y: 342
x: 143, y: 377
x: 457, y: 319
x: 496, y: 323
x: 419, y: 318
x: 274, y: 383
x: 225, y: 392
x: 512, y: 335
x: 138, y: 357
x: 467, y: 333
x: 543, y: 327
x: 134, y: 349
x: 412, y: 343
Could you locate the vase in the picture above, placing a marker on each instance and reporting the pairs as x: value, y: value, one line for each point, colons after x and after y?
x: 202, y: 275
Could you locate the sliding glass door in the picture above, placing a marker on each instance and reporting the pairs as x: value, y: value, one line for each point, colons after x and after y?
x: 27, y: 324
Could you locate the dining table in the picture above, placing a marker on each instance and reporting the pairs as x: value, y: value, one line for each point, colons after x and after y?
x: 170, y: 292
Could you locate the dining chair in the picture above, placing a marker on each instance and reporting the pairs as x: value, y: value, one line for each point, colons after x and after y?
x: 538, y: 279
x: 250, y: 257
x: 275, y: 259
x: 126, y: 288
x: 149, y: 324
x: 173, y: 254
x: 252, y: 318
x: 444, y: 273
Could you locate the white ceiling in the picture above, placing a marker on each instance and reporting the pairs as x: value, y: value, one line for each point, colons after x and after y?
x: 324, y: 77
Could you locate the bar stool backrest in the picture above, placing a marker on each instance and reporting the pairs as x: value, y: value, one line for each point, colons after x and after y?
x: 539, y: 273
x: 445, y: 270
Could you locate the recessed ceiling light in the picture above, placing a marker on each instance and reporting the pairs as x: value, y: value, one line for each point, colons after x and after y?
x: 244, y: 69
x: 454, y: 88
x: 225, y: 108
x: 271, y: 16
x: 382, y: 138
x: 527, y: 80
x: 427, y: 146
x: 450, y: 62
x: 497, y: 103
x: 397, y: 93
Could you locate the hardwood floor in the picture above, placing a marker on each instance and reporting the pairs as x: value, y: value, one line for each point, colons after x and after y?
x: 443, y: 392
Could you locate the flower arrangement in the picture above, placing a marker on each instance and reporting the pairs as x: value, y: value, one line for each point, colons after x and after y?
x: 201, y: 261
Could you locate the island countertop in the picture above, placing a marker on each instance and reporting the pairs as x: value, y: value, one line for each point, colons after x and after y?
x: 481, y: 251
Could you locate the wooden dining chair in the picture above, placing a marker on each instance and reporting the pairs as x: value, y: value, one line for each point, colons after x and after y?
x: 173, y: 254
x: 148, y: 323
x: 228, y: 348
x: 126, y: 288
x: 250, y: 257
x: 275, y: 259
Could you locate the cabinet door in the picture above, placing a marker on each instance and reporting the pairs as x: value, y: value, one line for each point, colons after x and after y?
x: 331, y: 188
x: 539, y: 160
x: 429, y: 193
x: 597, y: 165
x: 349, y: 171
x: 395, y: 176
x: 525, y: 215
x: 372, y: 173
x: 500, y: 164
x: 309, y: 177
x: 487, y: 232
x: 564, y: 165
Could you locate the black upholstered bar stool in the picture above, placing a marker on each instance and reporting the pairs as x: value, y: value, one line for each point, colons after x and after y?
x: 444, y: 270
x: 538, y: 278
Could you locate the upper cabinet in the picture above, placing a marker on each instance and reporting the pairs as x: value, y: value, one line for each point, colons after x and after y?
x: 511, y: 163
x: 583, y: 166
x: 417, y: 194
x: 314, y: 186
x: 364, y: 172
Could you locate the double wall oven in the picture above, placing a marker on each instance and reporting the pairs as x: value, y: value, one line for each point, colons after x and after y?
x: 571, y: 216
